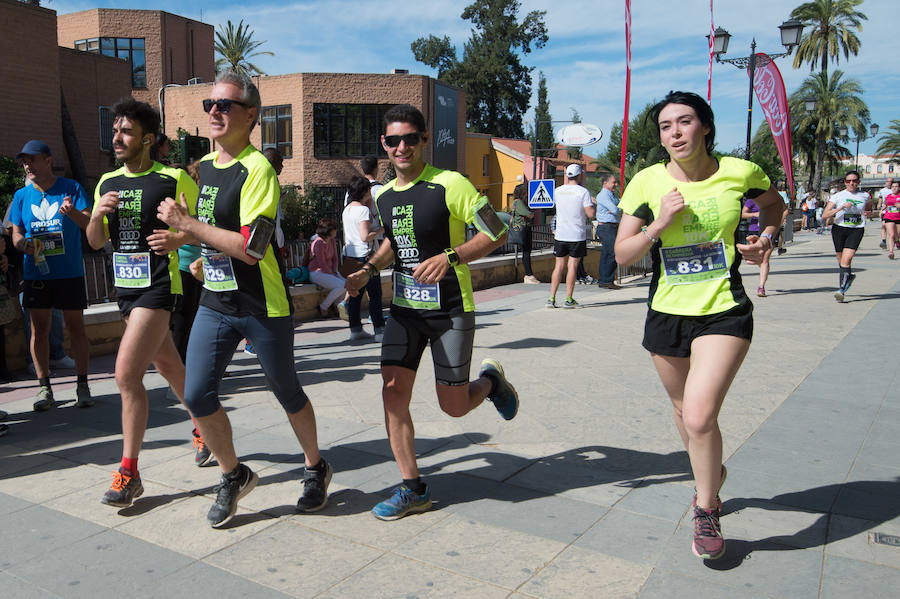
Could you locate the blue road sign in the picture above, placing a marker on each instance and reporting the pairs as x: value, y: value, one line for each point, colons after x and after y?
x: 540, y: 193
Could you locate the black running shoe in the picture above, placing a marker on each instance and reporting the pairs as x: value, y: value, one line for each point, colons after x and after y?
x: 228, y: 492
x: 315, y: 489
x: 124, y: 490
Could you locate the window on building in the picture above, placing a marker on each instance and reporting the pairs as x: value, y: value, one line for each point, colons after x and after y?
x: 127, y: 48
x: 484, y: 165
x: 868, y: 168
x: 890, y: 168
x: 276, y: 129
x: 105, y: 123
x: 348, y: 130
x: 879, y: 169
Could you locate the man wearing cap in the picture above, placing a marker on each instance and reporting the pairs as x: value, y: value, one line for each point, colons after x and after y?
x: 573, y: 203
x: 47, y: 218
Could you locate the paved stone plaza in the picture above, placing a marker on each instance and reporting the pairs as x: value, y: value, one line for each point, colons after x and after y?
x: 584, y: 494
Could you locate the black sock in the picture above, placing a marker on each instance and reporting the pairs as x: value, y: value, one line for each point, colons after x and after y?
x: 842, y: 278
x: 82, y: 379
x: 234, y: 474
x: 44, y: 382
x: 415, y: 485
x: 320, y: 467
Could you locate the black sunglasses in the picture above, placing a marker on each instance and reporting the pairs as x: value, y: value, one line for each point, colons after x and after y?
x: 410, y: 139
x: 223, y: 106
x: 851, y: 180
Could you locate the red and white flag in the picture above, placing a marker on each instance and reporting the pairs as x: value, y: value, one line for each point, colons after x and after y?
x: 712, y: 45
x: 627, y: 92
x: 769, y: 88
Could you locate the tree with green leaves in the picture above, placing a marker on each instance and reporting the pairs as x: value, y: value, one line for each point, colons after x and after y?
x: 831, y: 28
x: 497, y: 84
x: 838, y: 102
x: 235, y: 46
x: 12, y: 177
x: 544, y: 122
x: 889, y: 142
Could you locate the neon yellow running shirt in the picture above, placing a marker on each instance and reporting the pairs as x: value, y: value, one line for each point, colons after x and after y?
x: 695, y: 264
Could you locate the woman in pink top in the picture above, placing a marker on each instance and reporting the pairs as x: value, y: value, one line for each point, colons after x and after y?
x: 323, y: 264
x: 892, y: 216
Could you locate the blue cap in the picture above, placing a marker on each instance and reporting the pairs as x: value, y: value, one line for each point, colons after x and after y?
x: 33, y: 148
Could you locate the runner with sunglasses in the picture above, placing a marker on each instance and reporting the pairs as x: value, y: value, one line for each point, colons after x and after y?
x: 848, y: 207
x: 244, y: 295
x: 424, y: 212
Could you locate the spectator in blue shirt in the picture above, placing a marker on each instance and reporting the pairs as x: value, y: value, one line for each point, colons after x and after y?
x: 608, y: 214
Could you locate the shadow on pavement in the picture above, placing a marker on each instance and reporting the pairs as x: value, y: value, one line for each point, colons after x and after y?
x: 863, y: 505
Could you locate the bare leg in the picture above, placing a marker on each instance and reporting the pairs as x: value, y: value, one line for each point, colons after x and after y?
x: 673, y: 373
x: 81, y: 351
x: 304, y: 425
x: 556, y: 276
x: 457, y: 401
x: 40, y: 341
x: 216, y: 432
x: 715, y: 360
x: 571, y: 276
x: 397, y: 394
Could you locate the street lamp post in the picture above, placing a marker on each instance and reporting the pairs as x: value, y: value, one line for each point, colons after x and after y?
x: 843, y: 131
x: 790, y: 37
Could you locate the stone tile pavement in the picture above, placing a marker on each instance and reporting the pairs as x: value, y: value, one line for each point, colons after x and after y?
x: 584, y: 494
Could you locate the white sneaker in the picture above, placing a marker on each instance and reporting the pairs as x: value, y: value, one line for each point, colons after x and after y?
x: 357, y: 335
x: 63, y: 363
x: 531, y: 280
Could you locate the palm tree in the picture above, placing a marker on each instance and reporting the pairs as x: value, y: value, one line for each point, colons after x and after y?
x: 832, y: 26
x: 838, y: 102
x: 890, y: 141
x: 236, y: 46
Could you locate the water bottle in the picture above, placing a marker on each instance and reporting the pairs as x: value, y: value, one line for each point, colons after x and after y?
x: 40, y: 260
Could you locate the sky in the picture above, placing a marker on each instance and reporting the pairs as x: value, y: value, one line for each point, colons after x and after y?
x: 584, y: 61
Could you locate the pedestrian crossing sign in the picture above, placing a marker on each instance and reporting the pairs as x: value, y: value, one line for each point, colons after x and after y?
x: 540, y: 193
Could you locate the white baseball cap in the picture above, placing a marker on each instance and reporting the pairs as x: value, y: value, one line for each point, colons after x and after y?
x: 573, y: 170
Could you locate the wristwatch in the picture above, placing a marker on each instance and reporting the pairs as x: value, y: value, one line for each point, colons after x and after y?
x: 452, y: 257
x: 770, y: 237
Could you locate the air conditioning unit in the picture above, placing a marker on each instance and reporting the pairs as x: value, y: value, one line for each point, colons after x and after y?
x: 195, y: 81
x: 399, y: 71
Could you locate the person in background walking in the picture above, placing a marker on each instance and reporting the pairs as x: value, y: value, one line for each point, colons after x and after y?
x: 522, y: 216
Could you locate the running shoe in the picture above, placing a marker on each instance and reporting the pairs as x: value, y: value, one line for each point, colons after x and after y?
x: 359, y: 335
x: 781, y: 251
x: 202, y: 455
x: 891, y: 254
x: 315, y: 489
x: 3, y: 430
x: 839, y: 295
x: 228, y: 492
x: 343, y: 312
x: 883, y: 244
x: 248, y: 348
x: 761, y: 291
x: 503, y: 395
x: 403, y: 502
x: 551, y: 303
x: 83, y: 397
x: 531, y: 280
x: 64, y: 363
x: 3, y: 415
x: 43, y: 401
x: 124, y: 490
x: 570, y: 303
x: 708, y: 542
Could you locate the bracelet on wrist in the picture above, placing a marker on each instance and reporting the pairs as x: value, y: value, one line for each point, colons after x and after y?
x: 370, y: 268
x: 649, y: 236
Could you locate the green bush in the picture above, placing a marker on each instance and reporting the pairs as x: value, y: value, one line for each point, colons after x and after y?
x: 302, y: 210
x: 12, y: 177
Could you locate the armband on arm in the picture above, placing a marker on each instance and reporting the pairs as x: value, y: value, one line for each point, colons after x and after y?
x: 487, y: 221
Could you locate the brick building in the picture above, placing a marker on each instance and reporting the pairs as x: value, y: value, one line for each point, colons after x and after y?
x: 37, y: 76
x: 160, y: 48
x: 324, y: 123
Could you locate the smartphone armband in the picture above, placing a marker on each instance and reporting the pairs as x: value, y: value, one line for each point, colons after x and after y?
x: 261, y: 232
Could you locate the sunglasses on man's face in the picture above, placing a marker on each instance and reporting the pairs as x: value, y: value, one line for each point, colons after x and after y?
x: 410, y: 139
x: 223, y: 106
x: 851, y: 180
